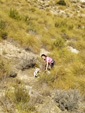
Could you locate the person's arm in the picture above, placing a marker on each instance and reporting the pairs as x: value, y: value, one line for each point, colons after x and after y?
x: 46, y: 66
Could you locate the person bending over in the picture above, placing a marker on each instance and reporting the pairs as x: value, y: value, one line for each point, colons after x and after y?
x: 49, y: 61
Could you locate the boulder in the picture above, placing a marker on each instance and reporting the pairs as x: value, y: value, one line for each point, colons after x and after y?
x: 26, y: 63
x: 20, y: 58
x: 13, y: 74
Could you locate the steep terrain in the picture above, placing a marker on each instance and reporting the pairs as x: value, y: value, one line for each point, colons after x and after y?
x: 29, y: 28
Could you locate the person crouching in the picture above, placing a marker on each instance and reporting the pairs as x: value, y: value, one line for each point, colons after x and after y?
x: 49, y: 61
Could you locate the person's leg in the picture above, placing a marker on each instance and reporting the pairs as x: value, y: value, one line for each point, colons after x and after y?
x: 49, y: 66
x: 52, y: 64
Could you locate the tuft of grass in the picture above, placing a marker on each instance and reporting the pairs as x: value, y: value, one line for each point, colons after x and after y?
x: 21, y: 95
x: 46, y: 78
x: 2, y: 24
x: 5, y: 69
x: 19, y: 98
x: 32, y: 42
x: 61, y: 24
x: 59, y: 43
x: 14, y: 14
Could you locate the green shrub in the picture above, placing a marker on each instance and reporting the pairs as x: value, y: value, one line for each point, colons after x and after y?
x: 61, y: 24
x: 46, y: 78
x: 27, y: 19
x: 33, y: 43
x: 70, y: 27
x: 2, y: 24
x: 18, y: 96
x: 57, y: 24
x: 32, y: 9
x: 14, y: 14
x: 4, y: 35
x: 59, y: 43
x: 62, y: 2
x: 21, y: 95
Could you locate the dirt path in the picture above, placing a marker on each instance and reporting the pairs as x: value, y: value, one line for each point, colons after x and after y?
x: 27, y: 76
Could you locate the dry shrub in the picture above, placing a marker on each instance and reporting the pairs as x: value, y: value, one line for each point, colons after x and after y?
x: 67, y: 100
x: 17, y: 96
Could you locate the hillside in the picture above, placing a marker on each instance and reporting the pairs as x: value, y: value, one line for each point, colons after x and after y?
x: 29, y: 28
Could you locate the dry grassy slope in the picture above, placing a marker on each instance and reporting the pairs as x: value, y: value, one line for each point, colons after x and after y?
x: 24, y: 78
x: 34, y: 26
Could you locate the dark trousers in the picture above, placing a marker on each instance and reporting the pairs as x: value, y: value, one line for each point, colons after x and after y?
x: 52, y: 63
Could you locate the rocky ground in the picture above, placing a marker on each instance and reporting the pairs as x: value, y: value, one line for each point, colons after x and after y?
x: 45, y: 102
x: 55, y: 9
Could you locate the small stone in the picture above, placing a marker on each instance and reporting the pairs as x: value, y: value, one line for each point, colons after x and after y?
x: 13, y: 74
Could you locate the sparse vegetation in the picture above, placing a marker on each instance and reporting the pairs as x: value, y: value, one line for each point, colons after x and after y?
x: 35, y: 28
x: 18, y: 95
